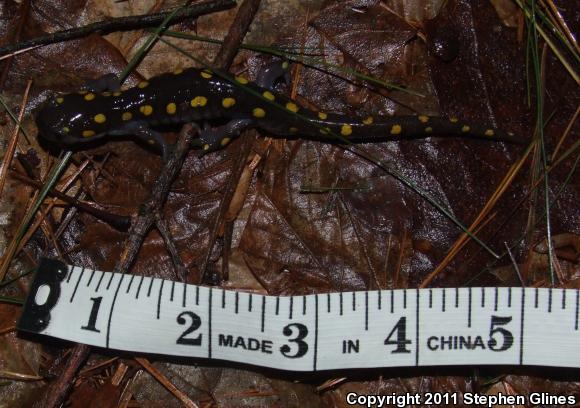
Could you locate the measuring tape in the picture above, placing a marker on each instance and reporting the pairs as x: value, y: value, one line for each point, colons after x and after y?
x: 387, y: 328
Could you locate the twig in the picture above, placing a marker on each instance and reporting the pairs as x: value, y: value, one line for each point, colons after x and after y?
x: 119, y: 222
x: 5, y: 165
x: 223, y: 60
x: 120, y: 24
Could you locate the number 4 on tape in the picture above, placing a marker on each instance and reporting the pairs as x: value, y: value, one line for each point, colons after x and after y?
x: 387, y: 328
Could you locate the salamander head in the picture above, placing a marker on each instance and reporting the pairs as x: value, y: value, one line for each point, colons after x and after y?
x: 63, y: 120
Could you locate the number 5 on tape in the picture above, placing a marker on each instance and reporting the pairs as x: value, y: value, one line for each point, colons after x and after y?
x: 388, y: 328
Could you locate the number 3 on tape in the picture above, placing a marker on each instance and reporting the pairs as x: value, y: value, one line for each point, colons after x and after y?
x: 387, y: 328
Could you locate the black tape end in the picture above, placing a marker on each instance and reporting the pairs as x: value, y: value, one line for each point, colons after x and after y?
x: 36, y: 317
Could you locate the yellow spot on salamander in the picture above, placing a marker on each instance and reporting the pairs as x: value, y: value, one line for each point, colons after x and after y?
x: 146, y: 109
x: 293, y: 130
x: 285, y: 65
x: 228, y: 102
x: 429, y: 129
x: 206, y: 147
x: 368, y: 121
x: 177, y: 71
x: 345, y: 130
x: 88, y: 133
x: 59, y: 100
x: 107, y: 93
x: 206, y: 74
x: 489, y: 132
x: 259, y: 112
x: 396, y: 129
x: 322, y: 115
x: 453, y: 120
x: 325, y: 131
x: 198, y: 101
x: 171, y: 108
x: 225, y: 141
x: 65, y: 129
x: 83, y: 92
x: 90, y: 96
x: 100, y: 118
x: 127, y: 116
x: 241, y: 80
x: 268, y: 95
x: 292, y: 107
x: 423, y: 118
x: 117, y: 93
x: 151, y: 142
x: 142, y: 84
x: 465, y: 128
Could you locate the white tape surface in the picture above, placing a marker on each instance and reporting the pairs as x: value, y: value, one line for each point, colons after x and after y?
x: 452, y: 326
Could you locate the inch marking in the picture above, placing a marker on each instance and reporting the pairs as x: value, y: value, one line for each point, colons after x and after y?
x: 536, y: 298
x: 328, y: 302
x: 392, y: 301
x: 150, y: 287
x: 70, y: 273
x: 110, y: 281
x: 315, y: 332
x: 159, y: 298
x: 77, y: 285
x: 208, y: 320
x: 112, y: 308
x: 340, y: 303
x: 563, y: 298
x: 430, y: 298
x: 495, y: 299
x: 139, y: 287
x: 263, y: 312
x: 237, y: 302
x: 577, y: 306
x: 510, y: 297
x: 417, y: 329
x: 100, y: 280
x: 353, y: 301
x: 130, y: 282
x: 250, y: 303
x: 366, y: 310
x: 291, y: 307
x: 469, y: 307
x: 304, y: 305
x: 482, y: 297
x: 91, y: 278
x: 197, y: 295
x: 379, y: 301
x: 223, y: 298
x: 404, y: 298
x: 522, y: 325
x: 443, y: 301
x: 456, y: 297
x: 550, y: 300
x: 183, y: 300
x: 277, y: 305
x: 172, y: 291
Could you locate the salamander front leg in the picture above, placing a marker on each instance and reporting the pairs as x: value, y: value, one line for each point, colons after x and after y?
x: 214, y: 138
x: 108, y: 82
x: 273, y: 73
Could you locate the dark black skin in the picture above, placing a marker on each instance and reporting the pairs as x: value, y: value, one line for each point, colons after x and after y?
x: 63, y: 119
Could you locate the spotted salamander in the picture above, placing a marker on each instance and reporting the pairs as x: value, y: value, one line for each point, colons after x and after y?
x: 200, y: 95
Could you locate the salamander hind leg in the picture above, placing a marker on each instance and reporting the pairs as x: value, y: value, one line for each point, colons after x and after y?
x: 214, y: 138
x: 153, y: 138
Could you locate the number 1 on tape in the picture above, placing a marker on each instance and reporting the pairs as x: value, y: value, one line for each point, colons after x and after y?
x: 387, y: 328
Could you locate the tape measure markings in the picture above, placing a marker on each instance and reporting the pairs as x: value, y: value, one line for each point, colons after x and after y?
x: 302, y: 333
